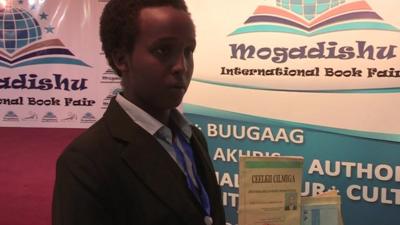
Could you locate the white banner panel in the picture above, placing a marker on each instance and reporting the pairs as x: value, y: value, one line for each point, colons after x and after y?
x: 52, y: 70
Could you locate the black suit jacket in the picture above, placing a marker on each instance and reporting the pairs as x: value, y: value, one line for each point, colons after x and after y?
x: 116, y: 173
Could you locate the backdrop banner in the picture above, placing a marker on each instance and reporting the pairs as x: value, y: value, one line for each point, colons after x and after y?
x: 316, y: 78
x: 312, y: 78
x: 52, y: 69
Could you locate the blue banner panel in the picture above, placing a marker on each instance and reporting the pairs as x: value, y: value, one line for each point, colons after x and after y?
x: 364, y: 167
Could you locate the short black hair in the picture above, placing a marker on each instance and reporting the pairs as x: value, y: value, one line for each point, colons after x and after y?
x: 119, y: 24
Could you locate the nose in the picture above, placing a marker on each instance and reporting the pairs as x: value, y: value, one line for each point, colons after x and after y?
x: 180, y: 65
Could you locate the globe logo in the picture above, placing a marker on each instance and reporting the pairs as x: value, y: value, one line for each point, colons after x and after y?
x: 309, y: 9
x: 26, y: 40
x: 18, y: 28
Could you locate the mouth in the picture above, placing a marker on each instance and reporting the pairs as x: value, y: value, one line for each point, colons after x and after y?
x: 179, y: 86
x: 178, y: 90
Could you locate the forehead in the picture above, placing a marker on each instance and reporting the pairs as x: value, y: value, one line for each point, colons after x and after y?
x: 165, y: 21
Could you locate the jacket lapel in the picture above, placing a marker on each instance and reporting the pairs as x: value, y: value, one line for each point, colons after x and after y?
x: 153, y: 165
x: 205, y: 169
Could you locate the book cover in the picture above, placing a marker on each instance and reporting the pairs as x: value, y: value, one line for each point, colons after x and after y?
x: 269, y: 190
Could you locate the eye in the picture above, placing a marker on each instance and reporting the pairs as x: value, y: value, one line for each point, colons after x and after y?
x: 189, y: 50
x: 162, y: 51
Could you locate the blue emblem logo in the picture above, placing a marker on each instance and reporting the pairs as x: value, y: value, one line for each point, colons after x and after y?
x: 23, y: 39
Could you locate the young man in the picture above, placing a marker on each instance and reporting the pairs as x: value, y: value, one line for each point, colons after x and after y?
x: 142, y: 163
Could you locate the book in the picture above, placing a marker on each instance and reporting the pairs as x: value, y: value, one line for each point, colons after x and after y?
x: 270, y: 190
x: 324, y: 208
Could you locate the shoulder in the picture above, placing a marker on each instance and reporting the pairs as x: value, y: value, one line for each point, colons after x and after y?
x: 197, y: 134
x: 91, y: 138
x: 95, y: 144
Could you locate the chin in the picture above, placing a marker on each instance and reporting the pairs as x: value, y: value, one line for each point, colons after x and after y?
x: 176, y: 104
x: 171, y: 103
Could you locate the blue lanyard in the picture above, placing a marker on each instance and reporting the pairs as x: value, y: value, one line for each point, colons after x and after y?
x: 200, y: 193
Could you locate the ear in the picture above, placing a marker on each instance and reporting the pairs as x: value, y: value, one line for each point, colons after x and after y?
x: 119, y: 59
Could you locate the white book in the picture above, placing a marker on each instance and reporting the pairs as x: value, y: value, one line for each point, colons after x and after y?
x: 270, y: 190
x: 323, y: 209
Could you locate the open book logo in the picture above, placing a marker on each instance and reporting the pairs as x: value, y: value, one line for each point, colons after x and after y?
x: 26, y: 40
x: 313, y: 17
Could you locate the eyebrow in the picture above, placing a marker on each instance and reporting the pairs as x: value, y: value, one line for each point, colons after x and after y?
x: 168, y: 39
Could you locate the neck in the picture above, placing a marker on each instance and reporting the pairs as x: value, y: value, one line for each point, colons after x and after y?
x: 162, y: 115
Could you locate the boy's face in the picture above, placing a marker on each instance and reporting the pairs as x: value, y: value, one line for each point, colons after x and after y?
x: 157, y: 73
x: 292, y: 200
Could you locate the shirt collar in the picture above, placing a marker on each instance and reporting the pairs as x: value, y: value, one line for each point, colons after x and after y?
x: 151, y: 124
